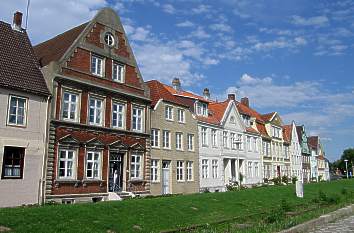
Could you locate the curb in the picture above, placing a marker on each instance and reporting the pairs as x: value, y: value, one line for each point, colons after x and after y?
x: 324, y: 219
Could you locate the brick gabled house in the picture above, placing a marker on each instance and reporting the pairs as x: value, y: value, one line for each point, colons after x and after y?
x: 99, y: 126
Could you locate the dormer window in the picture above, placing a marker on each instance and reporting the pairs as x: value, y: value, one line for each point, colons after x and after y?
x: 202, y: 109
x: 246, y: 120
x: 275, y: 132
x: 109, y: 39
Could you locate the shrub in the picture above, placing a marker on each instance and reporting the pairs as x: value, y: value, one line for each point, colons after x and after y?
x: 293, y: 179
x: 285, y: 179
x: 232, y: 186
x: 205, y: 190
x: 266, y: 180
x: 276, y: 180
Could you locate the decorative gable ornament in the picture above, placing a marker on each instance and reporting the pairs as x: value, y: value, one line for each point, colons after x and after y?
x: 138, y: 147
x: 118, y: 146
x: 69, y: 141
x: 94, y: 143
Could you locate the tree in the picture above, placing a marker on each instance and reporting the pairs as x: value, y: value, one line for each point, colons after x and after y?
x: 340, y: 164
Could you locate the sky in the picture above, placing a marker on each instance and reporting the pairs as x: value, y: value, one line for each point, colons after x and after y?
x: 294, y: 57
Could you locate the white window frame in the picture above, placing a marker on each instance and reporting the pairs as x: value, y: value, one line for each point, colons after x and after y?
x: 225, y: 139
x: 166, y: 144
x: 66, y: 161
x: 249, y: 143
x: 232, y: 141
x: 25, y: 109
x: 190, y: 174
x: 136, y: 167
x: 155, y: 138
x: 214, y: 168
x: 190, y: 142
x: 95, y: 110
x: 214, y: 137
x: 70, y: 104
x: 94, y: 162
x: 255, y: 144
x: 119, y: 76
x: 204, y: 136
x: 256, y: 169
x: 169, y: 113
x: 137, y: 117
x: 119, y: 114
x: 181, y: 115
x: 249, y: 169
x: 205, y: 168
x: 95, y: 70
x: 180, y: 170
x: 155, y: 168
x: 179, y: 141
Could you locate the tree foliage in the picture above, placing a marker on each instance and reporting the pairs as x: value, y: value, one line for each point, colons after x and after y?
x: 340, y: 164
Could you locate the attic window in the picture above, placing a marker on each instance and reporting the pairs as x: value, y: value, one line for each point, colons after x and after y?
x: 109, y: 39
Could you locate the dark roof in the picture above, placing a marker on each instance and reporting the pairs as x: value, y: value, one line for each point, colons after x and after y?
x: 53, y: 49
x: 19, y: 67
x: 313, y: 141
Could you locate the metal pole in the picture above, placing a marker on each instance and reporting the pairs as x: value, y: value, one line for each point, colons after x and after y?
x: 346, y: 167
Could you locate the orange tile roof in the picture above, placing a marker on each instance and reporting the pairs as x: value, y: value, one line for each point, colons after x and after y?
x: 243, y: 109
x: 287, y: 129
x: 262, y: 129
x: 186, y: 94
x: 268, y: 116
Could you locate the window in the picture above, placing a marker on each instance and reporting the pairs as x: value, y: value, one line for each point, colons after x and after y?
x: 70, y: 106
x: 109, y: 39
x: 214, y: 138
x: 239, y: 144
x: 232, y: 120
x: 66, y: 164
x: 190, y: 142
x: 93, y: 165
x: 95, y: 113
x: 255, y: 144
x: 154, y: 170
x: 202, y: 109
x: 232, y: 141
x: 96, y: 65
x: 17, y: 111
x: 155, y: 138
x: 256, y: 169
x: 190, y: 170
x: 179, y: 141
x: 137, y: 119
x: 249, y: 169
x: 13, y: 162
x: 118, y: 72
x: 169, y: 113
x: 135, y: 166
x: 214, y: 168
x: 224, y: 139
x: 181, y: 115
x: 275, y: 132
x: 118, y: 115
x: 180, y: 170
x: 166, y: 143
x: 249, y: 144
x: 205, y: 168
x: 246, y: 120
x: 204, y: 137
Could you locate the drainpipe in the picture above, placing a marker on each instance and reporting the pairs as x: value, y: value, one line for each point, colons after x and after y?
x: 46, y: 145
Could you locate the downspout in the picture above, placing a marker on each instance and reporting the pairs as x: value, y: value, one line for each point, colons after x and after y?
x: 46, y: 145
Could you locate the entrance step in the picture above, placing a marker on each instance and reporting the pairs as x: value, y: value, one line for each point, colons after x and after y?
x: 113, y: 197
x: 125, y: 195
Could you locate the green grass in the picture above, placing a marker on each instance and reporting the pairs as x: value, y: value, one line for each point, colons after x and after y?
x: 253, y: 206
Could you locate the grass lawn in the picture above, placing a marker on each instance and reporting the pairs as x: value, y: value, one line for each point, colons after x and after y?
x: 261, y: 207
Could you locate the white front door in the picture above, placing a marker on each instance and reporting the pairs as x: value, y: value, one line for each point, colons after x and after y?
x: 165, y: 177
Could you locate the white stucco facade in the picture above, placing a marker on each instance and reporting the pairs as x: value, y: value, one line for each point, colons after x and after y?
x: 295, y: 154
x: 31, y: 138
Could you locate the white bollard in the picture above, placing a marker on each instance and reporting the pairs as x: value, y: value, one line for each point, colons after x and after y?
x: 299, y: 189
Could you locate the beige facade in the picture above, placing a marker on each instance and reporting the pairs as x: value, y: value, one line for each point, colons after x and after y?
x: 25, y: 187
x: 174, y: 170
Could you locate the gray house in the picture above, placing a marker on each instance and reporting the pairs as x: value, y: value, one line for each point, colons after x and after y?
x: 23, y: 118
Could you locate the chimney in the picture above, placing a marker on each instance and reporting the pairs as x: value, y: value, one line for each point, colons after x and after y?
x: 206, y: 93
x: 231, y: 96
x: 17, y: 21
x: 245, y: 101
x: 176, y: 84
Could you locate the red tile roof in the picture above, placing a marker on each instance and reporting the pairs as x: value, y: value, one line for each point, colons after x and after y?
x: 186, y: 94
x: 159, y: 91
x: 262, y: 129
x: 243, y: 109
x: 55, y: 48
x: 287, y: 133
x: 268, y: 116
x: 313, y: 142
x: 19, y: 68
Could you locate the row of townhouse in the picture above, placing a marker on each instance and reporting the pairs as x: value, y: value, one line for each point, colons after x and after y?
x: 78, y: 123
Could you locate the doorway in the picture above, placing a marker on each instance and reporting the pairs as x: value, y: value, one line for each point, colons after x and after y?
x: 165, y: 177
x: 115, y: 172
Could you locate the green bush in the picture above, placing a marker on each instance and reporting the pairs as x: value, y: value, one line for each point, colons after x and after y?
x: 276, y: 180
x: 293, y: 179
x: 232, y: 186
x: 285, y: 179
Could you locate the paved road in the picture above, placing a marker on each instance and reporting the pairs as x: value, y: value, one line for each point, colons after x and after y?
x: 340, y: 226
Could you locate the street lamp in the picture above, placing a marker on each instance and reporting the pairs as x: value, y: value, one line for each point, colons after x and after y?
x: 346, y: 167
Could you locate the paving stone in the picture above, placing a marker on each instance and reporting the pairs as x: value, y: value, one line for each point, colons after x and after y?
x: 345, y: 225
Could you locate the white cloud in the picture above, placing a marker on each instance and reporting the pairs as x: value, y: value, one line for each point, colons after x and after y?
x: 317, y: 21
x: 186, y: 23
x: 220, y: 27
x: 199, y: 33
x: 201, y: 9
x: 168, y: 8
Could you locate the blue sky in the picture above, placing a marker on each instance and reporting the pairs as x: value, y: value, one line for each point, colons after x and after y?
x: 293, y: 57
